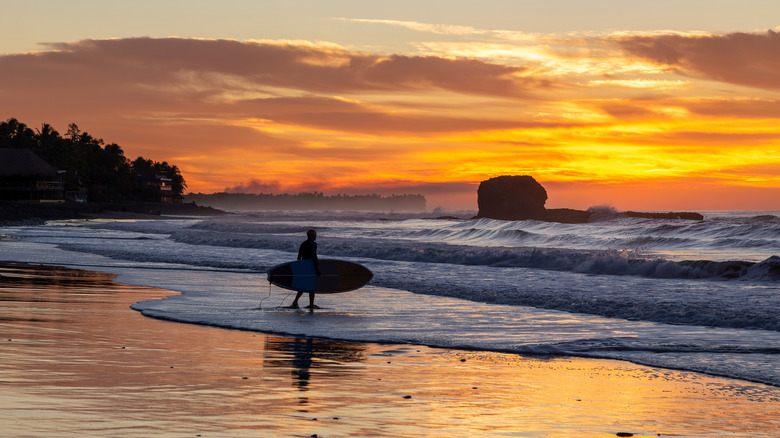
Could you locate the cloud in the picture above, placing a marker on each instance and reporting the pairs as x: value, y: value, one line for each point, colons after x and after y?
x: 444, y: 29
x: 738, y: 58
x: 294, y: 65
x: 736, y: 108
x: 196, y: 137
x: 736, y: 111
x: 341, y: 115
x: 266, y: 116
x: 256, y: 187
x: 631, y: 110
x: 289, y: 81
x: 511, y: 35
x: 654, y: 84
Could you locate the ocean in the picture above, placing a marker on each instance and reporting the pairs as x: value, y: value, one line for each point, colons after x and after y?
x: 702, y: 296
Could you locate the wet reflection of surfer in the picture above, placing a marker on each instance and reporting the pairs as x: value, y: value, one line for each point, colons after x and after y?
x: 308, y: 251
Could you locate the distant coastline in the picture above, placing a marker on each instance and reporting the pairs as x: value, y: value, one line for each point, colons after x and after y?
x: 308, y: 201
x: 14, y: 213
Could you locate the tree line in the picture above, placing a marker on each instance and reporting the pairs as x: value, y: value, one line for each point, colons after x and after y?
x: 89, y: 163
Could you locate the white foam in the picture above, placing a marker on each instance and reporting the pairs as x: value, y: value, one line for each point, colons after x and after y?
x: 468, y: 283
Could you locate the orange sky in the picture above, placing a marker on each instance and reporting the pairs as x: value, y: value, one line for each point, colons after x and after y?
x: 637, y: 120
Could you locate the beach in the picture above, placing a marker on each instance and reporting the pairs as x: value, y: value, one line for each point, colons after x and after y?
x: 77, y: 361
x: 33, y: 213
x: 409, y: 219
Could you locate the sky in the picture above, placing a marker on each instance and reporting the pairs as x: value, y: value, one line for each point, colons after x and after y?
x: 663, y: 105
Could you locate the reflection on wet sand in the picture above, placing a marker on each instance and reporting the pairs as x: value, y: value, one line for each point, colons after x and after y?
x: 325, y: 356
x: 76, y: 361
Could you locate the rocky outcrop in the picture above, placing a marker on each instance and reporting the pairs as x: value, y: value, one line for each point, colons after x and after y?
x: 522, y: 197
x: 511, y: 198
x: 670, y: 215
x: 568, y: 216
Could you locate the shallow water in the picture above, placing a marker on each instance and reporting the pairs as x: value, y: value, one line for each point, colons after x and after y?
x: 464, y: 283
x: 76, y: 361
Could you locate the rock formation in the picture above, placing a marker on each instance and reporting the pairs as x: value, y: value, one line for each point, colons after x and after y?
x: 521, y: 197
x: 511, y: 198
x: 687, y: 215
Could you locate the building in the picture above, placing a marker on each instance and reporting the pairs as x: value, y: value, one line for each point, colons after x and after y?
x: 26, y: 177
x: 158, y: 182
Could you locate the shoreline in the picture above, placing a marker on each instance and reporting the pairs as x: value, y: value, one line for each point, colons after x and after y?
x: 13, y: 213
x: 64, y: 373
x: 17, y: 213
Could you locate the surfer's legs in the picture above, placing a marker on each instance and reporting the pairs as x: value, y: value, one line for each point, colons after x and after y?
x: 294, y: 304
x: 311, y: 305
x: 311, y: 302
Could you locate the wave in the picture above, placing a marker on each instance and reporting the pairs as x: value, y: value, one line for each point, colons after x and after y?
x: 521, y: 264
x: 756, y: 233
x: 625, y: 297
x: 599, y: 262
x: 647, y: 345
x: 624, y: 284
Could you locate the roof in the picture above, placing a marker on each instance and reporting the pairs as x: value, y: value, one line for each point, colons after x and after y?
x: 23, y: 162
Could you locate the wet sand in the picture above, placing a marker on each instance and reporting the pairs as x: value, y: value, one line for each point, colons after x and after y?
x: 75, y: 360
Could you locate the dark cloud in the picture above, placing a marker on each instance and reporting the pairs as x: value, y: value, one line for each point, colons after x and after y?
x: 256, y: 187
x: 695, y: 139
x: 630, y: 110
x: 746, y: 108
x: 737, y: 58
x: 310, y: 67
x: 336, y: 114
x: 722, y: 108
x: 176, y: 78
x: 194, y: 137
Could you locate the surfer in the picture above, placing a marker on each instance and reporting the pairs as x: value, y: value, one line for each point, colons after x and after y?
x: 308, y: 251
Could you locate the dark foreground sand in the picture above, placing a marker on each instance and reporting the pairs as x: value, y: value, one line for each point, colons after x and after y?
x: 76, y: 361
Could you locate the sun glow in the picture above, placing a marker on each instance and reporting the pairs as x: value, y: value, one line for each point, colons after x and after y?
x: 601, y: 117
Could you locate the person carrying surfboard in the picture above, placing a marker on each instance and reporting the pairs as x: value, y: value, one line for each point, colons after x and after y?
x: 308, y: 251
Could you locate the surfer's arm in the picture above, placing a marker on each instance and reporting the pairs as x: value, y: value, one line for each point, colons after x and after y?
x: 316, y: 265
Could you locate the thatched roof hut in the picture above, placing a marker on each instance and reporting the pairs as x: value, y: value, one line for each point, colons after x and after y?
x: 24, y: 176
x: 24, y: 163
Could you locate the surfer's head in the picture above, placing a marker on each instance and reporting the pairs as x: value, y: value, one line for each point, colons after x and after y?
x: 311, y: 234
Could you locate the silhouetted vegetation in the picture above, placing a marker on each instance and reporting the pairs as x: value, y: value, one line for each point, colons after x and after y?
x: 308, y: 201
x: 90, y: 166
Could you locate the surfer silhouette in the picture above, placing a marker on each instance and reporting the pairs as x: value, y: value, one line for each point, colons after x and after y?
x: 308, y: 251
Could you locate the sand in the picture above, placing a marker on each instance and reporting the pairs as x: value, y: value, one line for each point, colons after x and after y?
x: 75, y: 360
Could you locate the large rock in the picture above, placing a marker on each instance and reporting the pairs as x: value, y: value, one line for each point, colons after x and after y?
x: 511, y: 198
x: 521, y: 198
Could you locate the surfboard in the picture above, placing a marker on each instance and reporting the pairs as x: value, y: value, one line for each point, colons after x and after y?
x: 335, y: 276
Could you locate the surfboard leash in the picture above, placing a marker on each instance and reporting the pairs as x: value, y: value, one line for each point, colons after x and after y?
x: 267, y: 296
x: 270, y: 289
x: 285, y: 298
